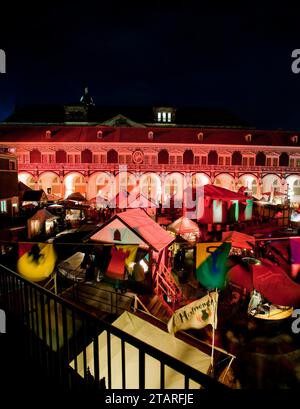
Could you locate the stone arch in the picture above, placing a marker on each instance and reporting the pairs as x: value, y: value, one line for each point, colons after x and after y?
x: 225, y: 180
x: 250, y: 182
x: 271, y: 182
x: 150, y: 185
x: 293, y: 186
x: 200, y: 179
x: 28, y: 179
x: 50, y: 183
x: 173, y: 186
x: 101, y: 184
x: 74, y: 182
x: 126, y: 181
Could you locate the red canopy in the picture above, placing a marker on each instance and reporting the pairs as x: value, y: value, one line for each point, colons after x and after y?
x: 241, y: 276
x: 216, y: 192
x: 275, y: 285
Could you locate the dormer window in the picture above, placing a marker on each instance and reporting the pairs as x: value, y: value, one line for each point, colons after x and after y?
x: 248, y: 137
x: 164, y: 115
x: 200, y: 136
x: 294, y: 138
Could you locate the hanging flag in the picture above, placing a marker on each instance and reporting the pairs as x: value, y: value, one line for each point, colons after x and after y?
x: 38, y: 262
x: 197, y: 314
x: 211, y: 264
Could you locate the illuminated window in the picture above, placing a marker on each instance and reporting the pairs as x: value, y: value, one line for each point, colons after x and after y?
x: 3, y: 206
x: 169, y: 116
x: 164, y: 117
x: 297, y: 187
x: 158, y: 116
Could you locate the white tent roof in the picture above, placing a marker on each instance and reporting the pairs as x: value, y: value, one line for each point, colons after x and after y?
x: 135, y: 227
x: 183, y: 225
x: 153, y: 336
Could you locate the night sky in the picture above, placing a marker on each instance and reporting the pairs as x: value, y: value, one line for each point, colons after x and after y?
x: 235, y: 56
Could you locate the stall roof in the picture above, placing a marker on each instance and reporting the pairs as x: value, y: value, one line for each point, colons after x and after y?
x: 239, y: 240
x: 273, y: 283
x: 135, y: 227
x: 34, y: 196
x: 43, y: 215
x: 183, y: 225
x: 216, y: 192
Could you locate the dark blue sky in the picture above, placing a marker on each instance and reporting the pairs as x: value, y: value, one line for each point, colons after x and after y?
x: 236, y: 56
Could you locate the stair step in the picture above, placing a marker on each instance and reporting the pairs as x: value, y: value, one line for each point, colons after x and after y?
x: 152, y: 302
x: 156, y: 308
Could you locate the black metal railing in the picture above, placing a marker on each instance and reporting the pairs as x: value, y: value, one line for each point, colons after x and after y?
x: 65, y: 341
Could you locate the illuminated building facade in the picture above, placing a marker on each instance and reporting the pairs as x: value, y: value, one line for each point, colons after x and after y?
x: 77, y: 152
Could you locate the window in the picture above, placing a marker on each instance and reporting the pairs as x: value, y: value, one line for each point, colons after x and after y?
x: 224, y: 160
x: 272, y: 161
x: 164, y: 117
x: 73, y: 158
x: 48, y: 158
x: 169, y: 116
x: 158, y: 116
x: 297, y: 187
x: 12, y: 165
x: 3, y: 206
x: 99, y: 158
x: 23, y: 158
x: 248, y: 161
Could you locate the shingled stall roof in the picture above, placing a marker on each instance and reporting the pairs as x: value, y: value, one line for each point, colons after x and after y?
x: 168, y: 134
x: 134, y: 227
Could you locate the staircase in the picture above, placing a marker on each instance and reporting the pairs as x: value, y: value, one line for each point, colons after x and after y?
x: 158, y: 308
x: 167, y: 288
